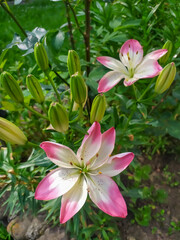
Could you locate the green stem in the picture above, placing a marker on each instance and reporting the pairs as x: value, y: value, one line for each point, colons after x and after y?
x: 71, y: 107
x: 13, y: 17
x: 43, y: 108
x: 32, y: 144
x: 129, y: 118
x: 53, y: 85
x: 35, y: 112
x: 148, y: 87
x: 62, y: 79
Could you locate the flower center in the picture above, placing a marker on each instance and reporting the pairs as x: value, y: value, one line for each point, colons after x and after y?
x: 131, y: 72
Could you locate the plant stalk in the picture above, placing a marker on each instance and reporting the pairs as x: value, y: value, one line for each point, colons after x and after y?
x: 87, y: 33
x: 13, y: 17
x: 69, y: 24
x: 53, y: 85
x: 35, y: 112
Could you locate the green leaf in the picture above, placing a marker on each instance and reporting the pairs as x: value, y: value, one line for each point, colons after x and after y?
x: 152, y: 12
x: 53, y: 41
x: 143, y: 110
x: 173, y: 128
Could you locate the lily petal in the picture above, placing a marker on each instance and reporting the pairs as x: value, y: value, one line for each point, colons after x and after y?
x: 73, y: 200
x: 148, y: 68
x: 91, y: 143
x: 109, y: 80
x: 156, y: 54
x: 129, y: 82
x: 60, y: 154
x: 116, y: 164
x: 105, y: 193
x: 131, y: 53
x: 107, y: 146
x: 56, y: 183
x: 112, y: 64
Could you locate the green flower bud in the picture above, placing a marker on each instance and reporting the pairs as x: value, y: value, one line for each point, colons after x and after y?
x: 98, y: 108
x: 168, y: 45
x: 35, y: 88
x: 73, y: 62
x: 41, y: 56
x: 58, y: 117
x: 165, y: 78
x: 9, y: 132
x: 78, y: 88
x: 11, y: 87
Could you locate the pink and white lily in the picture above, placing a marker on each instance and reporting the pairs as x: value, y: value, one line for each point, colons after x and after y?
x: 88, y: 171
x: 132, y: 66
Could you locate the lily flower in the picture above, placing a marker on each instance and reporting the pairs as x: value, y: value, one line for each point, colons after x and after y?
x: 132, y: 66
x: 87, y: 172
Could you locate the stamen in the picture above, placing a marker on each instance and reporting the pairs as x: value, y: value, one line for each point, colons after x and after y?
x: 129, y: 46
x: 128, y: 56
x: 71, y: 163
x: 81, y: 158
x: 122, y: 54
x: 80, y: 171
x: 137, y: 52
x: 100, y: 172
x: 97, y: 154
x: 109, y: 155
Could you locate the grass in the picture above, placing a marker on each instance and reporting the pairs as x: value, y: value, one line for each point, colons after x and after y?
x: 38, y: 13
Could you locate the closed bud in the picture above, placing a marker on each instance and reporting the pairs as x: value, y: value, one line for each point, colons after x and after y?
x: 168, y: 45
x: 41, y: 56
x: 98, y: 108
x: 165, y: 78
x: 78, y: 89
x: 9, y: 132
x: 11, y: 87
x: 73, y: 62
x: 58, y: 117
x: 35, y: 88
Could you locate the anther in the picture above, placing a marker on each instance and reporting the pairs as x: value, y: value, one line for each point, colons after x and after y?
x: 81, y: 158
x: 97, y: 154
x: 129, y: 46
x: 71, y: 163
x: 100, y: 172
x: 137, y: 52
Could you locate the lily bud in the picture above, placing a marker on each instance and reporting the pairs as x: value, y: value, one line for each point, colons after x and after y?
x: 58, y: 117
x: 73, y: 62
x: 11, y: 87
x: 168, y: 45
x: 165, y: 78
x: 78, y: 88
x: 98, y: 108
x: 35, y: 88
x: 9, y: 132
x: 41, y: 56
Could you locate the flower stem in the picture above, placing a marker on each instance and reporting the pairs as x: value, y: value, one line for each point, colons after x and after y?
x: 7, y: 9
x: 148, y: 87
x: 35, y: 112
x: 87, y: 33
x: 32, y: 144
x: 129, y: 118
x: 53, y: 85
x: 66, y: 2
